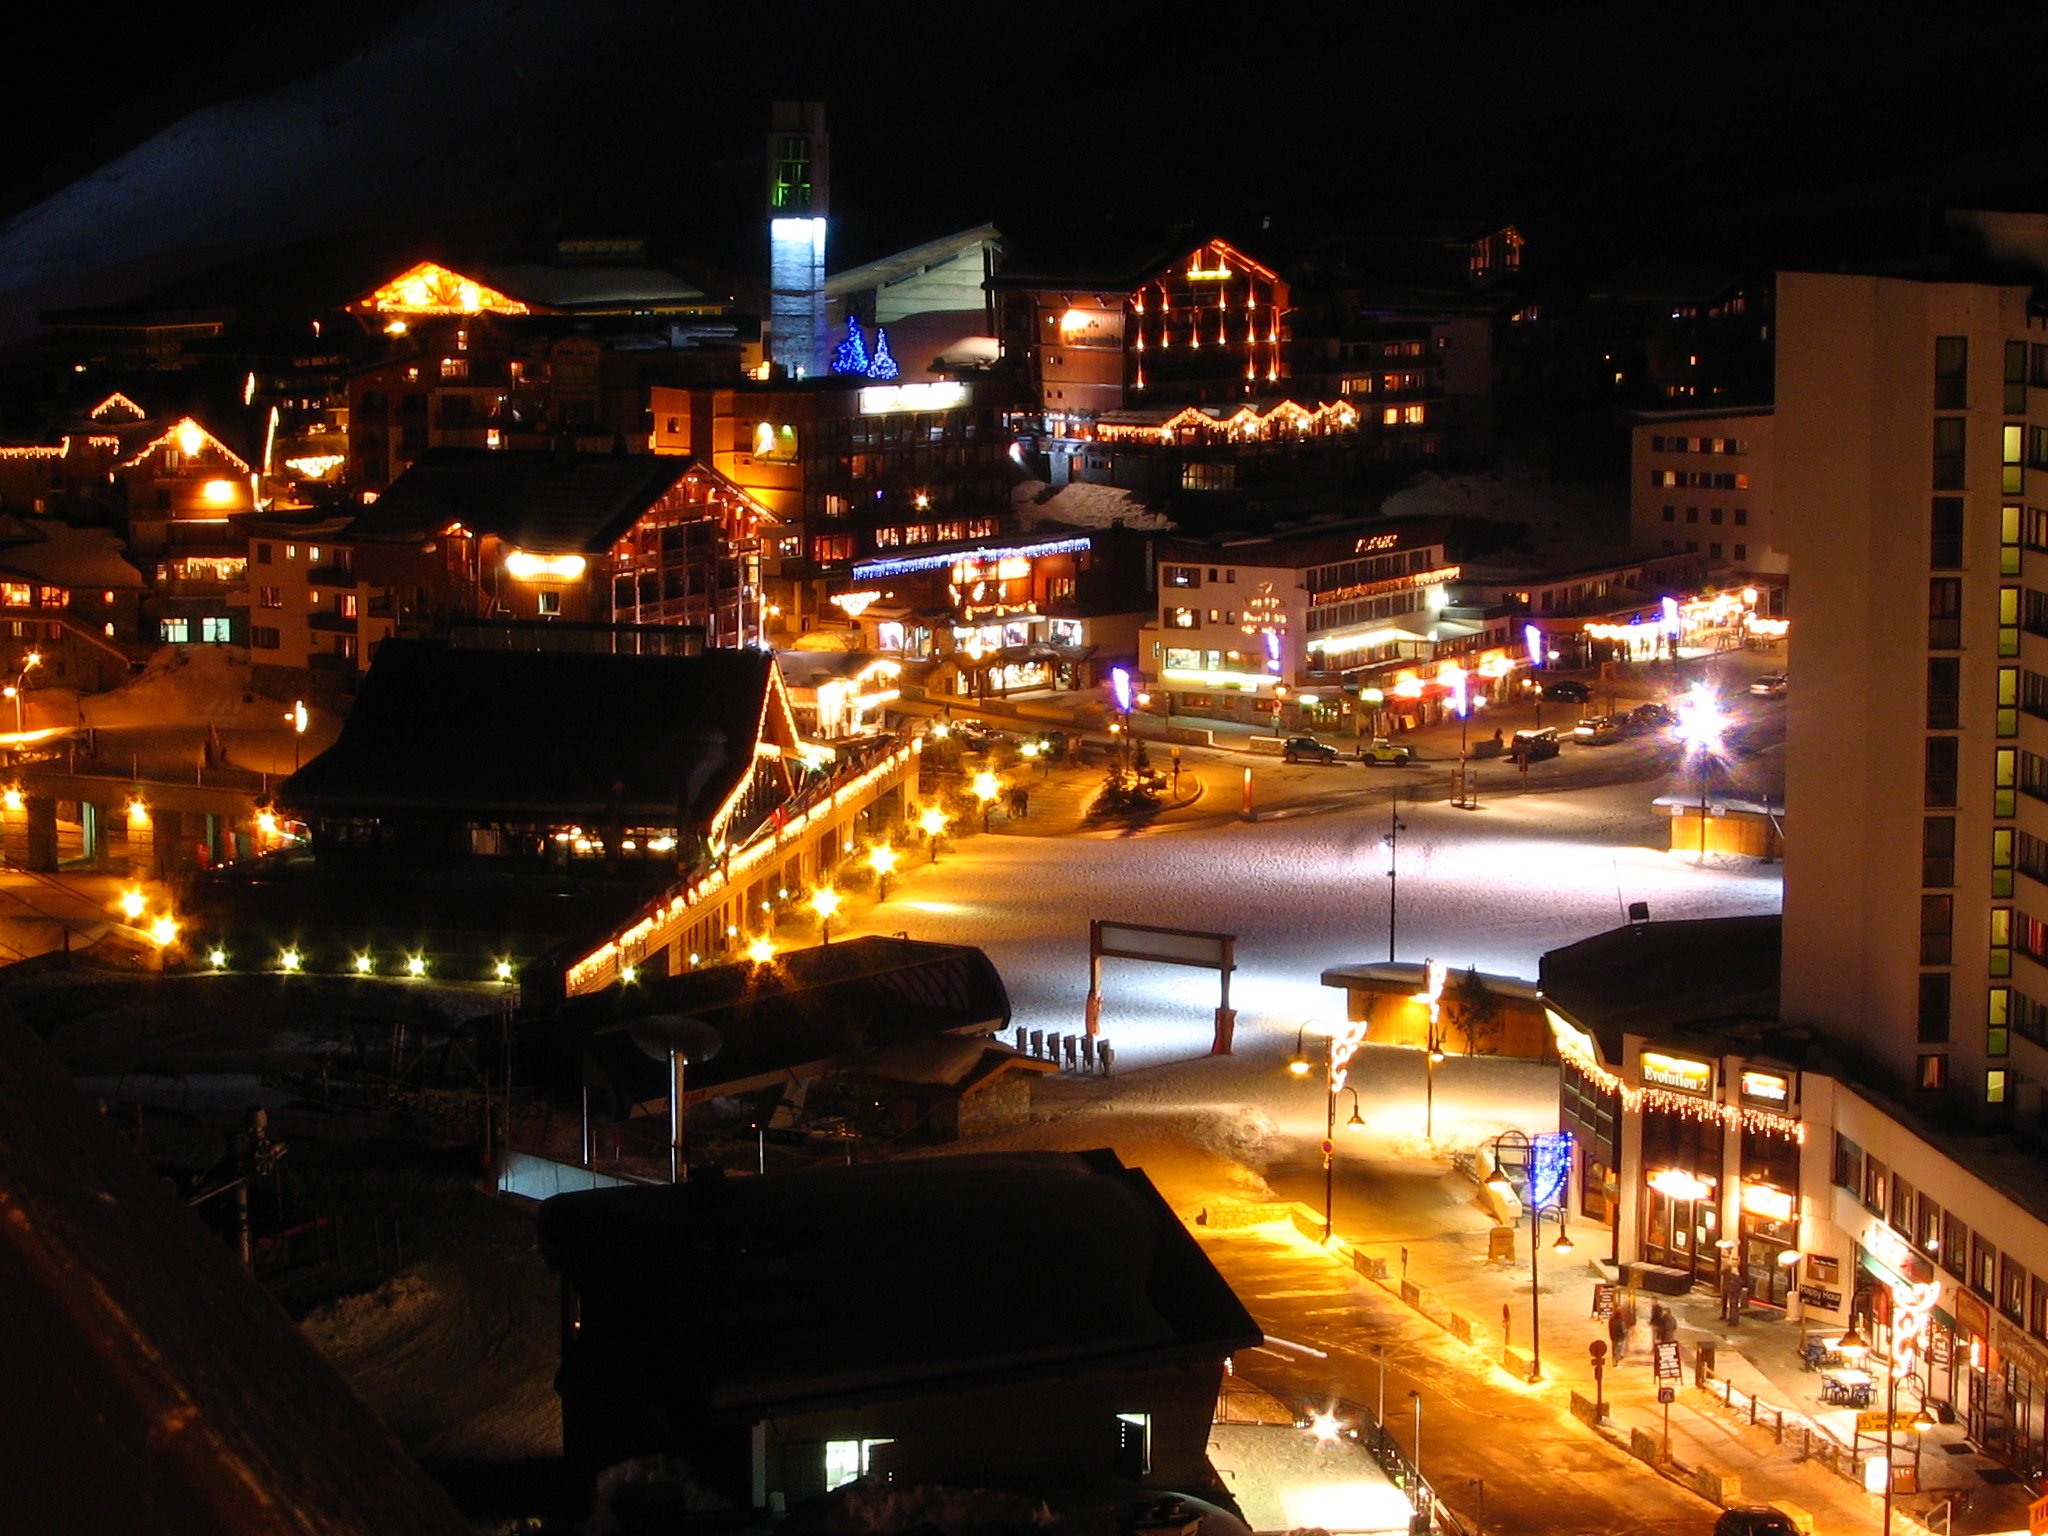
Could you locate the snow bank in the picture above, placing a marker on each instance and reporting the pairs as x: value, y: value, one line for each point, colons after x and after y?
x: 187, y: 685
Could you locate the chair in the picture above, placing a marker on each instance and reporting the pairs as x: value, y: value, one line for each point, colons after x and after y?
x: 1811, y: 1354
x: 1859, y: 1397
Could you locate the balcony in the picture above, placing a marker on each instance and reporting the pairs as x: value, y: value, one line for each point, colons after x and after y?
x: 330, y: 623
x: 331, y: 575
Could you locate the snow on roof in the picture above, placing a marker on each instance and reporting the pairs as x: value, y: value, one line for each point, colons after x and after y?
x: 1081, y: 505
x: 51, y: 551
x: 848, y: 1284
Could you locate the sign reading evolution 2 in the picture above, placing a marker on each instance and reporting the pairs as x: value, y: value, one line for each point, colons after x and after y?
x: 1680, y: 1072
x: 888, y: 399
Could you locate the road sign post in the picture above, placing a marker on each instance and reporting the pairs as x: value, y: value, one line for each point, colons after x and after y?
x: 1598, y: 1348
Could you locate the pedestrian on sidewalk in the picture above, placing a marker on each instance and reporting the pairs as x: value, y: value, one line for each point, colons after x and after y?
x: 1663, y: 1324
x: 1734, y: 1292
x: 1617, y: 1331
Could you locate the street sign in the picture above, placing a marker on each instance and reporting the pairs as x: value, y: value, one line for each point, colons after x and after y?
x: 1877, y: 1421
x: 1665, y: 1364
x: 1667, y: 1395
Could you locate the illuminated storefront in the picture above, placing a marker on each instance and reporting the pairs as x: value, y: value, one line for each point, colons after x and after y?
x: 1704, y: 625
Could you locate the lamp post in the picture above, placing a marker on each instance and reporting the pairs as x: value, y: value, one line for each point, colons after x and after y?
x: 824, y: 902
x: 933, y: 821
x: 986, y: 788
x: 1700, y: 726
x: 1479, y: 1519
x: 1393, y: 841
x: 1416, y: 1460
x: 1563, y: 1245
x: 18, y: 689
x: 882, y: 860
x: 1299, y: 1065
x: 296, y: 718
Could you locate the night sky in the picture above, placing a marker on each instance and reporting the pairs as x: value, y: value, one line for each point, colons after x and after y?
x: 1754, y: 133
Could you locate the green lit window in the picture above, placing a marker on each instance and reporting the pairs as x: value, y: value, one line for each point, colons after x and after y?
x: 2001, y: 861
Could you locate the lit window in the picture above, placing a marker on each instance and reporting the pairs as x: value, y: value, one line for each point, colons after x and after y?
x: 846, y: 1460
x: 174, y: 631
x: 1994, y: 1086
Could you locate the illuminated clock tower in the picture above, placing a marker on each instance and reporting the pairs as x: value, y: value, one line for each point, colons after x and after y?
x: 798, y: 203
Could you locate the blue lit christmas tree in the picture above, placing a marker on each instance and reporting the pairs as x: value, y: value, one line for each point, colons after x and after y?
x: 851, y: 355
x: 882, y: 365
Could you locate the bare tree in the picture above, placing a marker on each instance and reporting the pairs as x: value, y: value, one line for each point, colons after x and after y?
x: 1475, y: 1012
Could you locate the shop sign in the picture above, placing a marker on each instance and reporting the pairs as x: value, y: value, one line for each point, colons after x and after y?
x: 1823, y: 1269
x: 1820, y: 1296
x: 1877, y: 1421
x: 1665, y: 1365
x: 1894, y: 1256
x: 1680, y: 1072
x: 1938, y: 1345
x: 1766, y: 1088
x: 1367, y: 545
x: 1603, y: 1300
x: 1762, y: 1200
x: 888, y: 399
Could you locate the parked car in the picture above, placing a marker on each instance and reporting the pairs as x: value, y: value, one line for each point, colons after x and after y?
x: 1306, y: 749
x: 1533, y: 746
x: 1754, y: 1520
x: 1567, y: 690
x: 1651, y: 717
x: 1596, y: 731
x: 1770, y: 686
x: 1382, y: 753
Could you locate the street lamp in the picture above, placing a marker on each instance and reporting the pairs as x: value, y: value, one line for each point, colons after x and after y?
x: 986, y: 788
x: 296, y: 718
x: 1337, y: 1053
x: 882, y: 860
x: 934, y: 823
x: 824, y: 902
x: 1700, y: 725
x: 1415, y: 1461
x: 1395, y: 828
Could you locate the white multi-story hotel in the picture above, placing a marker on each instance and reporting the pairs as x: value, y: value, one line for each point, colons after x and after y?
x: 1912, y: 464
x: 1701, y: 483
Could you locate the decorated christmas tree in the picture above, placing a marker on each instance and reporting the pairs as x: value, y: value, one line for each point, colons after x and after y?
x: 882, y: 365
x: 851, y: 355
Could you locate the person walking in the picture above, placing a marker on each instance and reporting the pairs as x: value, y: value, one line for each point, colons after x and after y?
x: 1663, y: 1324
x: 1617, y: 1331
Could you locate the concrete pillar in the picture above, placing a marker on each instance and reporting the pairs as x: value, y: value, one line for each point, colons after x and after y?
x: 101, y: 824
x: 39, y: 835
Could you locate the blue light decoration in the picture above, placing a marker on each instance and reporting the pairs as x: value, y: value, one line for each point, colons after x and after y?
x: 882, y: 365
x: 1120, y: 685
x: 1550, y: 1164
x: 851, y: 355
x: 908, y: 565
x: 1533, y: 638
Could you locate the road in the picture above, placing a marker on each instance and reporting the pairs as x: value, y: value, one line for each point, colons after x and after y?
x: 1539, y: 1475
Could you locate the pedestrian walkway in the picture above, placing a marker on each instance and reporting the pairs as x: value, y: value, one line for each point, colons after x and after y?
x: 1757, y: 1427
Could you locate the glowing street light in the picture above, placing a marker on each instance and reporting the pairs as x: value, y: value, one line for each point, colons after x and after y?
x: 934, y: 823
x: 882, y: 860
x: 163, y: 932
x: 133, y: 903
x: 291, y: 960
x: 365, y: 963
x: 986, y: 788
x: 762, y: 950
x: 824, y: 902
x: 18, y: 689
x: 1699, y: 727
x: 297, y: 718
x: 502, y: 970
x: 217, y: 958
x: 1325, y: 1427
x: 415, y: 965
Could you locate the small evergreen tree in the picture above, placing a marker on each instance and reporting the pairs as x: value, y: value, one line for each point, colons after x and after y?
x: 851, y: 355
x: 883, y: 364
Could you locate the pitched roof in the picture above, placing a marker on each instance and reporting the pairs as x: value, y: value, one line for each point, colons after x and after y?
x: 812, y: 1007
x: 548, y: 735
x: 46, y: 549
x: 548, y: 502
x: 797, y: 1291
x: 151, y: 1382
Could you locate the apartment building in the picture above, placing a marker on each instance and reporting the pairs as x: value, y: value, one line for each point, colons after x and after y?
x: 1912, y: 440
x: 1701, y: 483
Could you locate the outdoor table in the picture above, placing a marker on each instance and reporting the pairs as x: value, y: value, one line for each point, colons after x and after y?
x: 1849, y: 1386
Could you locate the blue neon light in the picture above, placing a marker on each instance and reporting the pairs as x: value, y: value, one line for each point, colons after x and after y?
x: 865, y: 570
x: 1120, y: 685
x: 1550, y: 1163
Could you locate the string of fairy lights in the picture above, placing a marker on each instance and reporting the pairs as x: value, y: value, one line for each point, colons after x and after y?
x: 1638, y: 1096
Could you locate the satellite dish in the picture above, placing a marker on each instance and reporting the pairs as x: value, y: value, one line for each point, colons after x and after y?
x: 691, y: 1038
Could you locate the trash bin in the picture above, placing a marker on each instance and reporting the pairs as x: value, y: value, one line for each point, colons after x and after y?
x: 1702, y: 1364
